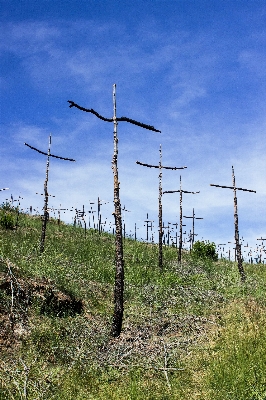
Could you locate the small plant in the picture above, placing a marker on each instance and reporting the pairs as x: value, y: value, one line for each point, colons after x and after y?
x: 7, y: 216
x: 205, y: 250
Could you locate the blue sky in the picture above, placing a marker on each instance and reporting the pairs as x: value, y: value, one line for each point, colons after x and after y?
x: 193, y: 69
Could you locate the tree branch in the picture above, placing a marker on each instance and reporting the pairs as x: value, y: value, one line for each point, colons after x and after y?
x: 158, y: 166
x: 232, y: 187
x: 51, y: 155
x: 123, y: 119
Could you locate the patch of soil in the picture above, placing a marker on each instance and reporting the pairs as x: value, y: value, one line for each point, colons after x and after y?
x: 18, y: 295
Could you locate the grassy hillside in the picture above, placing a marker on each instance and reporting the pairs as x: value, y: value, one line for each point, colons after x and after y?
x: 191, y: 332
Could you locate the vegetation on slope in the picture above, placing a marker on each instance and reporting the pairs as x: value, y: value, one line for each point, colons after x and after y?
x: 193, y: 331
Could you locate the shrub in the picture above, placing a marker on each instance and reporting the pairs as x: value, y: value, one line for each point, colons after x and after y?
x: 205, y: 249
x: 7, y: 220
x: 7, y: 216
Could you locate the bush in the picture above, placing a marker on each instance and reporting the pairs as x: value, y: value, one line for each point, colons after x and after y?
x: 205, y: 250
x: 7, y: 216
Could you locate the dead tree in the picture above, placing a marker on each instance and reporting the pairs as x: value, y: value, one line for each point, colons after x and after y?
x: 119, y: 259
x: 46, y: 195
x: 237, y: 244
x: 160, y: 215
x: 180, y: 191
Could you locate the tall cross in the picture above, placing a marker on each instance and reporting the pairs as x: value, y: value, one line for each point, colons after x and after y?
x: 181, y: 191
x: 193, y: 226
x: 46, y: 195
x: 148, y: 226
x: 160, y: 215
x: 237, y: 244
x: 119, y: 258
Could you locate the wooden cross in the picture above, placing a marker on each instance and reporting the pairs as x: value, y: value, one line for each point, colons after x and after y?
x: 148, y: 226
x: 99, y: 214
x: 160, y: 215
x: 124, y: 220
x: 193, y: 227
x: 46, y: 195
x: 237, y: 244
x: 119, y: 258
x: 58, y: 212
x: 181, y: 191
x: 220, y: 248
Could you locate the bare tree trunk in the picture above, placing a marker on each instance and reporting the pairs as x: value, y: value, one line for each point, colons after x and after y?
x: 237, y: 244
x: 45, y: 207
x: 180, y: 227
x: 160, y: 260
x: 193, y: 229
x: 119, y: 261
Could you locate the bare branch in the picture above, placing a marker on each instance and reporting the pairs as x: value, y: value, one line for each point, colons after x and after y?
x: 178, y: 191
x: 231, y: 187
x: 158, y: 166
x: 51, y: 155
x: 123, y: 119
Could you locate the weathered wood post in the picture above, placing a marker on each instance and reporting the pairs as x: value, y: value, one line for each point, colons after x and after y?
x: 99, y: 214
x: 193, y: 227
x: 148, y: 226
x: 119, y: 259
x: 180, y: 191
x: 46, y: 195
x: 160, y: 214
x: 237, y: 244
x: 124, y: 221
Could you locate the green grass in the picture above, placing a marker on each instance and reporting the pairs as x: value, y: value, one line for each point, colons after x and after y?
x: 198, y: 318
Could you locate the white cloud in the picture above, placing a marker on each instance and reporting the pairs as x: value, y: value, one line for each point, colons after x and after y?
x: 186, y: 83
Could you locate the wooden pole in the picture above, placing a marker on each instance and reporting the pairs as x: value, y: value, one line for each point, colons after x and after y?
x: 124, y: 220
x: 148, y: 226
x: 45, y: 193
x: 119, y: 260
x: 160, y: 253
x: 160, y: 214
x: 237, y: 244
x: 193, y: 227
x: 119, y: 276
x: 181, y: 225
x: 180, y: 191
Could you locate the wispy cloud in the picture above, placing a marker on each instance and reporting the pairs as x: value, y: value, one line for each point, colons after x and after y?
x: 202, y: 86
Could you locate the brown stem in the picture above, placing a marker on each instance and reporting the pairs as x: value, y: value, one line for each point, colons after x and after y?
x: 119, y: 261
x: 237, y: 244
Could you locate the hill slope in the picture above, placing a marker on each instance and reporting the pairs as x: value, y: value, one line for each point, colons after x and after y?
x: 191, y: 332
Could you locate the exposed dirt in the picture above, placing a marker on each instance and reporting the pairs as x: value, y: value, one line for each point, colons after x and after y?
x: 19, y: 294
